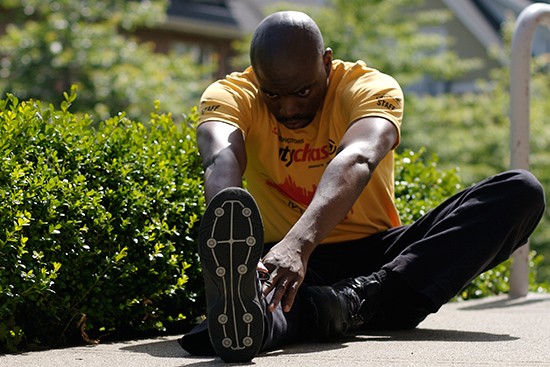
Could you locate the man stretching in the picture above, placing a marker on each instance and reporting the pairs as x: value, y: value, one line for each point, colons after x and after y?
x: 314, y: 139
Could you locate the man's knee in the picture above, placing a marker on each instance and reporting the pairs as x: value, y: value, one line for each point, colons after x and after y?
x: 528, y: 190
x: 534, y: 188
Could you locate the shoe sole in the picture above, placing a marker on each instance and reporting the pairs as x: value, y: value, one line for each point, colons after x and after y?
x: 230, y: 246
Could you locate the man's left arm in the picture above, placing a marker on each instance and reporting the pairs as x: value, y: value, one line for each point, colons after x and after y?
x: 366, y: 142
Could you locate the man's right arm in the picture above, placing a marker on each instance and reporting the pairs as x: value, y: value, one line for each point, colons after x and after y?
x: 223, y: 156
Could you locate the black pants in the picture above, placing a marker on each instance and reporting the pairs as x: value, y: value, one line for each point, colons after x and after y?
x: 431, y: 260
x: 427, y: 263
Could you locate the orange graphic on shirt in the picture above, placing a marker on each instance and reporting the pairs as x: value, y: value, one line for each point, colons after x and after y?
x: 298, y: 194
x: 293, y: 192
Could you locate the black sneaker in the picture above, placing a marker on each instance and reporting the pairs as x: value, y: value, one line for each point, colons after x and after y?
x: 230, y: 245
x: 342, y: 307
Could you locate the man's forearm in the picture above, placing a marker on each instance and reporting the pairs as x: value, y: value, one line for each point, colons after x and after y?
x: 222, y: 173
x: 364, y: 145
x: 223, y: 156
x: 342, y: 183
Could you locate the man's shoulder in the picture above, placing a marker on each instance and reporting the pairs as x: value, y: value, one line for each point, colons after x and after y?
x: 245, y: 78
x: 356, y: 69
x: 353, y: 74
x: 337, y: 64
x: 237, y: 82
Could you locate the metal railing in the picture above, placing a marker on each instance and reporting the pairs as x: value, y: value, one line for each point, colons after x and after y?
x: 520, y: 75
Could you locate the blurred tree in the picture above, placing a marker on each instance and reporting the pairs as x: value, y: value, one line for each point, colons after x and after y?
x: 51, y: 44
x: 388, y: 35
x: 472, y: 131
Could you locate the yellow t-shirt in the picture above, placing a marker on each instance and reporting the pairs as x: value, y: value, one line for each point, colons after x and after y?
x: 285, y: 166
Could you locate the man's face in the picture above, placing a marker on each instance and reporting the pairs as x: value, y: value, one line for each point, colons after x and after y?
x: 293, y: 93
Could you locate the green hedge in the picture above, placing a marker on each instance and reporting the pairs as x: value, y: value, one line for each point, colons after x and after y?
x: 97, y: 227
x: 420, y: 185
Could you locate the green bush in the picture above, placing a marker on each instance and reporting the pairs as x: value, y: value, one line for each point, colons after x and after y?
x: 421, y: 186
x: 97, y: 226
x: 497, y: 280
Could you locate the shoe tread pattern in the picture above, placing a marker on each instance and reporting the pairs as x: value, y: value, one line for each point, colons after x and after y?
x: 230, y: 245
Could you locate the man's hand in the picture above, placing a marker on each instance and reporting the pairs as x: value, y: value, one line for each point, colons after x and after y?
x: 287, y: 264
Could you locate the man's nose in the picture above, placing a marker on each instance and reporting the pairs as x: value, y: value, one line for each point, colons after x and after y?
x: 289, y: 107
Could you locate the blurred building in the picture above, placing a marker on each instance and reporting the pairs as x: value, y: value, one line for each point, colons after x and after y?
x: 207, y: 28
x: 477, y: 30
x: 203, y: 28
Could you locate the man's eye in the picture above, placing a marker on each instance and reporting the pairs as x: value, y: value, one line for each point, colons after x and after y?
x: 304, y: 92
x: 270, y: 95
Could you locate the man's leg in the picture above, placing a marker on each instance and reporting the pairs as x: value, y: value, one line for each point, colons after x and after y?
x: 423, y: 265
x: 468, y: 234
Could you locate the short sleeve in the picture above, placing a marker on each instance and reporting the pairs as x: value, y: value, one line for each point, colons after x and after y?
x: 229, y: 100
x: 376, y: 95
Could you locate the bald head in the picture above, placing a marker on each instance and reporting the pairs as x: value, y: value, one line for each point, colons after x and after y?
x: 291, y: 66
x: 285, y: 39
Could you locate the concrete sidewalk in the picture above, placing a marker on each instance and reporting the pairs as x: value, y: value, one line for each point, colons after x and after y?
x: 495, y: 331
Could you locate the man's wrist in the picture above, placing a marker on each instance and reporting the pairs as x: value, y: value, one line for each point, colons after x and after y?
x: 306, y: 244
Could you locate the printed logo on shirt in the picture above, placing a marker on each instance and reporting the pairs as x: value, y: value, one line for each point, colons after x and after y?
x: 288, y: 155
x: 291, y: 140
x: 292, y: 191
x: 298, y: 197
x: 332, y: 147
x: 211, y: 108
x: 387, y: 101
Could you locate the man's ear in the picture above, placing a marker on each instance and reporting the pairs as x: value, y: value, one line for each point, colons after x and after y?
x: 327, y: 60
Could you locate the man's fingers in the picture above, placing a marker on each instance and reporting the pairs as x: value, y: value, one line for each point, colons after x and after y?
x: 274, y: 277
x: 269, y: 283
x: 290, y: 295
x: 282, y: 288
x: 281, y: 282
x: 270, y: 267
x: 267, y: 286
x: 278, y: 294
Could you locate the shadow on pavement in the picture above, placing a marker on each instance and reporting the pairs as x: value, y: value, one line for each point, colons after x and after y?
x: 171, y: 348
x: 507, y: 302
x: 307, y: 348
x: 160, y: 348
x: 432, y: 335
